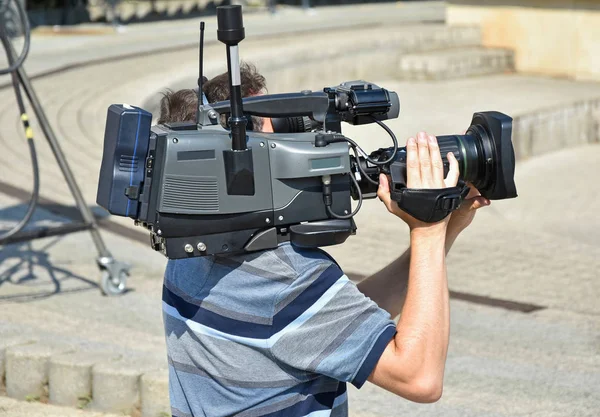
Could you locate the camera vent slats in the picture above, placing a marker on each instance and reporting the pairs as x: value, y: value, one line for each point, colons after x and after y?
x: 190, y: 194
x: 128, y: 163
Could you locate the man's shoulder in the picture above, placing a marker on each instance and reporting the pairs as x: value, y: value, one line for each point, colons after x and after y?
x: 257, y: 275
x: 286, y: 260
x: 301, y: 260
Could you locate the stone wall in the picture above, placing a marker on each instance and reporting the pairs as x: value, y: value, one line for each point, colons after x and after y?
x: 553, y: 37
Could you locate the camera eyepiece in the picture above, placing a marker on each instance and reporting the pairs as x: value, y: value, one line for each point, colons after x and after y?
x: 294, y: 124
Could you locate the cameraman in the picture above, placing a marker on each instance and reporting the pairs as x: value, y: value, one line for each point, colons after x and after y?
x: 279, y: 332
x: 180, y: 106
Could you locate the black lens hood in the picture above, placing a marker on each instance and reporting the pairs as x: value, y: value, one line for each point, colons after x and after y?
x: 498, y: 127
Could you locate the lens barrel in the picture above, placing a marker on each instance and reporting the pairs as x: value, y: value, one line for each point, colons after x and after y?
x: 474, y: 157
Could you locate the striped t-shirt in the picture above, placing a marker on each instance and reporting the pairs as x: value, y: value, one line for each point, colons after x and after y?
x: 271, y: 333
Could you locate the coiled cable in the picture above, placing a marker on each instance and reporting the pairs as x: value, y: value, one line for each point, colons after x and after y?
x: 14, y: 65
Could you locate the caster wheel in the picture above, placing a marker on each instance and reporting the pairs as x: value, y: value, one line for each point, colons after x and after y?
x: 114, y: 284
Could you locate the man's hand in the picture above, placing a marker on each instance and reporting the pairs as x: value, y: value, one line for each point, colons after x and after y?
x: 424, y: 169
x: 463, y: 216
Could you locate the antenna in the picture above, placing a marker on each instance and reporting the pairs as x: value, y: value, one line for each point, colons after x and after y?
x: 200, y: 74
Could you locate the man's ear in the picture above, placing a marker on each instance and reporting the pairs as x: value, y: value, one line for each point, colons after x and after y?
x: 267, y: 125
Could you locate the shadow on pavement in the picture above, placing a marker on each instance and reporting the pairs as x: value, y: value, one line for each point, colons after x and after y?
x: 26, y: 274
x: 27, y: 271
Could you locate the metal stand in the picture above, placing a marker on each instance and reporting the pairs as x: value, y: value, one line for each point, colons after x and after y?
x: 114, y: 273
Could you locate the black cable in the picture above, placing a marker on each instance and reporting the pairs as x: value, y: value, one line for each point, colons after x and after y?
x: 359, y: 205
x: 356, y: 148
x: 361, y: 170
x: 394, y: 141
x: 28, y: 133
x: 367, y: 157
x: 14, y: 64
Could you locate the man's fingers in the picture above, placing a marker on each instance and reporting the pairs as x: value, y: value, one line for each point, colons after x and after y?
x: 437, y: 166
x: 384, y: 185
x: 424, y: 160
x: 453, y: 173
x: 413, y: 173
x: 477, y: 203
x: 473, y: 192
x: 383, y: 192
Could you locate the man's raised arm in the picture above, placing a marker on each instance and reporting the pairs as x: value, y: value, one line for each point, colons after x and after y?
x: 412, y: 364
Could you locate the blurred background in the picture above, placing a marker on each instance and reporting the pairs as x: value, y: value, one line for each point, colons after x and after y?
x: 524, y: 277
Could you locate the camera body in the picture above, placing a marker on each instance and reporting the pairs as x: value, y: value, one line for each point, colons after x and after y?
x: 172, y: 179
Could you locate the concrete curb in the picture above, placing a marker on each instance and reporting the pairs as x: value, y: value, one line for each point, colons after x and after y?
x: 116, y: 385
x: 556, y: 128
x: 5, y: 343
x: 41, y: 370
x: 155, y: 394
x: 27, y: 369
x: 70, y: 377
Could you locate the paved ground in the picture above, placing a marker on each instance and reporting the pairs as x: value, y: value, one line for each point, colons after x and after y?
x: 13, y: 408
x: 540, y: 249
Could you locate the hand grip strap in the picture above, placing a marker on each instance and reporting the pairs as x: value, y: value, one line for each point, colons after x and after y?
x: 430, y: 205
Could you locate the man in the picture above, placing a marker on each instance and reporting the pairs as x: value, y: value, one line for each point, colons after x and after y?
x: 280, y: 332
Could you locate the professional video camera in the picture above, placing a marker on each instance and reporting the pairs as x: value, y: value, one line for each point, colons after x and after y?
x: 202, y: 189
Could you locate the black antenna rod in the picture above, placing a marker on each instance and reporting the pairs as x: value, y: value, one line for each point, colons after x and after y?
x: 230, y: 31
x: 200, y: 74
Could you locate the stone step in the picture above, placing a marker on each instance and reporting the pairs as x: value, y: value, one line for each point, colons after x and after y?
x: 455, y: 63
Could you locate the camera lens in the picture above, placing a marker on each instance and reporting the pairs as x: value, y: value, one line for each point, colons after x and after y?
x: 485, y: 156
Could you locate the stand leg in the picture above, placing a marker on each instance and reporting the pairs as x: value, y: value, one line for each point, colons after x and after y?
x: 114, y: 273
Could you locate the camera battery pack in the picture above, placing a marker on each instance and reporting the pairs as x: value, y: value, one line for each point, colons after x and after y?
x: 126, y: 140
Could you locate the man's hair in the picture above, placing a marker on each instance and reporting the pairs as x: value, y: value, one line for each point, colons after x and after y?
x: 253, y: 83
x: 180, y: 106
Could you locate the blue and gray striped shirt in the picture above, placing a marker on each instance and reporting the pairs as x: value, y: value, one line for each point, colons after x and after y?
x: 271, y: 333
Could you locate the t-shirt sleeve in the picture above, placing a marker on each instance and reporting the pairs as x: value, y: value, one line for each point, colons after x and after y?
x: 323, y: 324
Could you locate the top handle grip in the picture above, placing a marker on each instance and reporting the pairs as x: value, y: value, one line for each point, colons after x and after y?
x: 230, y: 24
